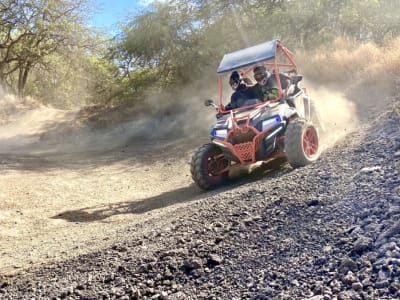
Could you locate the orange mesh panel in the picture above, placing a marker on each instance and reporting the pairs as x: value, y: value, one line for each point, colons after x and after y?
x: 244, y: 150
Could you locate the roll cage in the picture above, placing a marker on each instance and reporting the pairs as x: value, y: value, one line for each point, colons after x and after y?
x: 271, y: 54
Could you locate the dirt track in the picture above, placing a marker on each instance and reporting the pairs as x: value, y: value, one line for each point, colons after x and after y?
x: 67, y: 188
x: 60, y: 198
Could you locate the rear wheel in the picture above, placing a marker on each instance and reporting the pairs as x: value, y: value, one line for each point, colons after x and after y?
x: 301, y: 143
x: 209, y: 167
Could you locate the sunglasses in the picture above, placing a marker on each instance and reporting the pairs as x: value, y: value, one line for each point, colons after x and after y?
x: 234, y: 84
x: 259, y: 77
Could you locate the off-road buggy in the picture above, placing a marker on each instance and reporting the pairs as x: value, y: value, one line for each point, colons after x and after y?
x: 286, y: 126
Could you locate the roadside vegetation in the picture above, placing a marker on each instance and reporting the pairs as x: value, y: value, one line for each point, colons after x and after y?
x: 49, y: 53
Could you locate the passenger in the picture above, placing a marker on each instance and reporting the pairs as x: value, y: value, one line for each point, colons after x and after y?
x: 241, y: 93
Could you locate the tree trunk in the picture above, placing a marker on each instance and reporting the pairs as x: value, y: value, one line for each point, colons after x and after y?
x: 22, y: 78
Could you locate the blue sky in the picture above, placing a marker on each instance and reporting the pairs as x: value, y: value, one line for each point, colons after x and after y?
x: 108, y: 13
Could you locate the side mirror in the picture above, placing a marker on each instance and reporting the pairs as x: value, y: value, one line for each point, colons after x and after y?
x: 208, y: 102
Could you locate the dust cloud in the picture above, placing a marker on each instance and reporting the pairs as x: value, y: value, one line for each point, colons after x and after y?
x: 338, y: 114
x: 180, y: 118
x: 161, y: 120
x: 176, y: 118
x: 31, y: 128
x: 189, y: 120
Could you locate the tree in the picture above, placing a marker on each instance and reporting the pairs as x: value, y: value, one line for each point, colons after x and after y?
x: 164, y: 41
x: 30, y: 31
x: 174, y: 42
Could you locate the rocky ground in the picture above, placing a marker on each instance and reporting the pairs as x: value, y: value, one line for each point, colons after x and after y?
x: 330, y: 230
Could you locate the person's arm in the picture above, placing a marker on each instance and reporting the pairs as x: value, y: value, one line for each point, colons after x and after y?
x: 228, y: 106
x: 233, y: 103
x: 257, y: 92
x: 272, y: 93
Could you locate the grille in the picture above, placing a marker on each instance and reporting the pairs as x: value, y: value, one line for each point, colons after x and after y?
x: 244, y: 150
x: 242, y: 137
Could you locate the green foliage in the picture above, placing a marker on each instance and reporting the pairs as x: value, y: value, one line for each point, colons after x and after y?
x: 46, y: 50
x: 32, y: 30
x: 72, y: 78
x: 164, y: 41
x: 181, y: 38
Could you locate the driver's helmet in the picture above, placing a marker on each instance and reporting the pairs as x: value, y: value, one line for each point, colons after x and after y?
x: 261, y: 75
x: 237, y: 82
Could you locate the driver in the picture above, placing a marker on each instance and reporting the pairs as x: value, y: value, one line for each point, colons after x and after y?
x: 266, y: 87
x: 241, y: 93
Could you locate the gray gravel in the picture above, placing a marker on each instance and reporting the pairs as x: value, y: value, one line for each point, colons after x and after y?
x: 330, y: 230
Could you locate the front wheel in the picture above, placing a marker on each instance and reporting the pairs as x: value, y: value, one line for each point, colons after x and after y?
x: 209, y: 167
x: 301, y: 143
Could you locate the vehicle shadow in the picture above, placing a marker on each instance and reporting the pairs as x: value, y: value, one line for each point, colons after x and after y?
x: 98, y: 213
x: 265, y: 171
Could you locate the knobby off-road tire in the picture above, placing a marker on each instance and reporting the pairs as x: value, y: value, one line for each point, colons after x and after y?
x: 301, y: 143
x: 206, y: 166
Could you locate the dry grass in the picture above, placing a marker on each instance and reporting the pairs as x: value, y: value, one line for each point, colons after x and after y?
x: 345, y: 61
x: 351, y: 82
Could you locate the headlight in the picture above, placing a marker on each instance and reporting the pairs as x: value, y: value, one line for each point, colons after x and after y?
x: 270, y: 122
x: 220, y: 133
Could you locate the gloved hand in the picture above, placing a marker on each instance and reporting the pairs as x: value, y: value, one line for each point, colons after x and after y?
x: 271, y: 94
x: 228, y: 106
